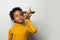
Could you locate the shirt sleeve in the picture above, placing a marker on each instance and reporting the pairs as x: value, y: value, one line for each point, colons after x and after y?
x: 31, y: 28
x: 10, y: 35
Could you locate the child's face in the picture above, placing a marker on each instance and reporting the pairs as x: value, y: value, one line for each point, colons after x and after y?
x: 18, y: 16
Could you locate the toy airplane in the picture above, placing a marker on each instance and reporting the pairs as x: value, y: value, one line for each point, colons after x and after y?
x: 31, y: 12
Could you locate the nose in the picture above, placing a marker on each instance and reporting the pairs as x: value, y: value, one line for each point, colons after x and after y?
x: 20, y: 17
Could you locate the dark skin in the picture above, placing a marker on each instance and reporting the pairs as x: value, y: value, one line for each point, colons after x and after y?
x: 18, y: 17
x: 28, y: 14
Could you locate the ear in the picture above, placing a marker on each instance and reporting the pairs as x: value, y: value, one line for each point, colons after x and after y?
x: 13, y: 20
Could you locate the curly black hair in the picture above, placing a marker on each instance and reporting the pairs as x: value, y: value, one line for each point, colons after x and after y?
x: 12, y: 12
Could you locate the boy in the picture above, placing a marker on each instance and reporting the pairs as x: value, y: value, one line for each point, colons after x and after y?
x: 20, y: 31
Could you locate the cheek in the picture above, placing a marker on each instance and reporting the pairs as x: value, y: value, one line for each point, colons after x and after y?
x: 18, y: 19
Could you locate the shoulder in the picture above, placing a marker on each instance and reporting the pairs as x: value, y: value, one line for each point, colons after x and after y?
x: 11, y: 28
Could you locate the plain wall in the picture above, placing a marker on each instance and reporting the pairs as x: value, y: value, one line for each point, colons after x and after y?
x: 46, y: 19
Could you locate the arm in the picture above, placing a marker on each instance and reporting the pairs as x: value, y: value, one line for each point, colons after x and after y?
x: 31, y: 28
x: 10, y: 35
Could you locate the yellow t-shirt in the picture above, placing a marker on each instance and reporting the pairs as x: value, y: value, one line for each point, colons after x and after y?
x: 20, y: 31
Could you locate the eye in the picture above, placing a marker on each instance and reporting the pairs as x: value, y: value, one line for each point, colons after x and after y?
x: 16, y: 16
x: 21, y: 14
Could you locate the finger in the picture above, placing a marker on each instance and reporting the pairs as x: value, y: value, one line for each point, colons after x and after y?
x: 29, y: 8
x: 30, y: 15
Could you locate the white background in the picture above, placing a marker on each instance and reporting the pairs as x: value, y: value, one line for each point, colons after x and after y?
x: 46, y: 19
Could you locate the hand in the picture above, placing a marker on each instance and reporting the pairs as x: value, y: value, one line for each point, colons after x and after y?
x: 27, y: 14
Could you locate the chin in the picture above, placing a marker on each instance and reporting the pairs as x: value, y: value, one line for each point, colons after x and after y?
x: 20, y: 21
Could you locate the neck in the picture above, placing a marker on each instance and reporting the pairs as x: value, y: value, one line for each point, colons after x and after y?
x: 19, y: 23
